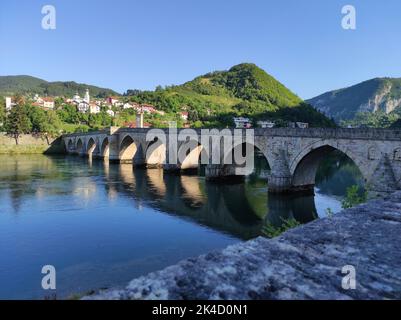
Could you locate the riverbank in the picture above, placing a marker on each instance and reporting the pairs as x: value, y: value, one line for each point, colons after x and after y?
x: 308, y: 262
x: 30, y: 144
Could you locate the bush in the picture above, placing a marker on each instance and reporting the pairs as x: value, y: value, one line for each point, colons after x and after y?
x: 354, y: 196
x: 270, y: 231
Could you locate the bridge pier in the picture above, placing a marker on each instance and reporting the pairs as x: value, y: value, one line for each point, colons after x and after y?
x: 114, y: 152
x: 280, y: 179
x: 172, y: 168
x: 217, y: 172
x: 179, y: 169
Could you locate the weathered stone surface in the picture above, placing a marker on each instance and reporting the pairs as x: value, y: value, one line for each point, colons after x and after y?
x: 303, y: 263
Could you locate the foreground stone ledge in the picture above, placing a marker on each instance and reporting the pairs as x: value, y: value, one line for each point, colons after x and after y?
x: 303, y: 263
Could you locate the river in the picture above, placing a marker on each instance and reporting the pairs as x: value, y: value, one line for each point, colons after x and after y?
x: 101, y: 225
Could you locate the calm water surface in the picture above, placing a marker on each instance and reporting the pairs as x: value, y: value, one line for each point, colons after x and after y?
x: 102, y: 225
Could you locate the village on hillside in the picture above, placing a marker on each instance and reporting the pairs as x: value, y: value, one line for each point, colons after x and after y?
x: 114, y: 105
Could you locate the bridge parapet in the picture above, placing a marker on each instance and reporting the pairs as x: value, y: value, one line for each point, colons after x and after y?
x: 326, y: 133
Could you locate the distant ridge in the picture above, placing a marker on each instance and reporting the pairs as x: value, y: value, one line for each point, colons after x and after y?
x: 24, y: 84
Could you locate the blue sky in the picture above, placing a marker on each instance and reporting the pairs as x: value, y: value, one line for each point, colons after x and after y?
x: 140, y: 44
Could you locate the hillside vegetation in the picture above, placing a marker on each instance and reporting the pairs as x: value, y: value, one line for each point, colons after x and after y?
x: 244, y: 90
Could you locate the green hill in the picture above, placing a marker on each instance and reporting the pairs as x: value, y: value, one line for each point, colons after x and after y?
x: 10, y: 85
x: 379, y: 95
x: 244, y: 90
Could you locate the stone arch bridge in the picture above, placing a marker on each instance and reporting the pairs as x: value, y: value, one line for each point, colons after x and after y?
x: 292, y: 154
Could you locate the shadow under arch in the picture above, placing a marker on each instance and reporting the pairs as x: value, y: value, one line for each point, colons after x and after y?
x: 306, y: 168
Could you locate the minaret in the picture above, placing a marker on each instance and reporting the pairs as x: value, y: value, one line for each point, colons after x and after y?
x: 87, y: 97
x: 139, y: 119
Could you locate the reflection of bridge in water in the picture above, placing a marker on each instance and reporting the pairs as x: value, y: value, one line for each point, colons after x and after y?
x: 224, y: 207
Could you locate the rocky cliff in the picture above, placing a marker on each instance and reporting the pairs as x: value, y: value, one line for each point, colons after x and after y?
x: 379, y: 94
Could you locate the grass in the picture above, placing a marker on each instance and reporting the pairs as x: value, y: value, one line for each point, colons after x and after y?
x: 71, y: 128
x: 23, y: 149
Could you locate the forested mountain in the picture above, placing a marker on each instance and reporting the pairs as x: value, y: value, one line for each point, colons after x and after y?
x: 10, y: 85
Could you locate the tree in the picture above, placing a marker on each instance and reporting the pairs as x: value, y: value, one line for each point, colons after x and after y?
x: 18, y: 122
x: 68, y: 113
x: 19, y: 100
x: 193, y: 115
x: 51, y: 126
x: 37, y: 117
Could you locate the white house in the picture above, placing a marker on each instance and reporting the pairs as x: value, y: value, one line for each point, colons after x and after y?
x: 110, y: 112
x: 243, y: 123
x: 184, y: 115
x: 83, y: 106
x: 94, y: 108
x: 266, y: 124
x: 48, y: 103
x: 148, y: 108
x: 128, y: 106
x: 302, y: 125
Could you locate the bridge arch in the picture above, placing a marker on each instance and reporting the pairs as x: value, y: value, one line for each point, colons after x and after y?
x: 70, y: 145
x: 127, y: 149
x: 91, y: 146
x: 305, y: 165
x: 80, y: 146
x: 242, y: 151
